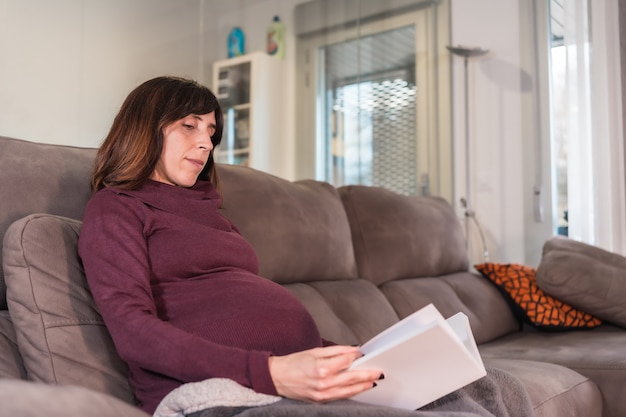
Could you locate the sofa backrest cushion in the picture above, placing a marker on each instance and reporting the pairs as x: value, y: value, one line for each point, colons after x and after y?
x: 298, y: 229
x: 60, y: 334
x: 11, y: 365
x: 41, y: 178
x: 397, y: 236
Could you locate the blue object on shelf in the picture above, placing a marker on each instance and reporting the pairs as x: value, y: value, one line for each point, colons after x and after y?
x: 236, y: 43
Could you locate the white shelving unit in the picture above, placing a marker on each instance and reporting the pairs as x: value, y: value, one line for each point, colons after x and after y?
x: 249, y: 90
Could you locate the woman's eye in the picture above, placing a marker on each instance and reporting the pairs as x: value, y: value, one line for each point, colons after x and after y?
x: 186, y: 126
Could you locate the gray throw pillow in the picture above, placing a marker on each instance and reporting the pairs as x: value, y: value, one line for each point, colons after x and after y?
x: 585, y: 276
x: 59, y: 331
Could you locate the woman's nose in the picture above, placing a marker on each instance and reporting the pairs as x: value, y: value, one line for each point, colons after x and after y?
x: 205, y: 143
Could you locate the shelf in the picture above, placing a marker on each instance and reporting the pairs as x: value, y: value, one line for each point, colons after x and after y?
x: 248, y: 89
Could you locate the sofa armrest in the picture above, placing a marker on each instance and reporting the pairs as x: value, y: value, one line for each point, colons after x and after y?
x: 33, y: 399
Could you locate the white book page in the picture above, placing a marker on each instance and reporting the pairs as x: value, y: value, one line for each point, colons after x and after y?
x: 418, y: 322
x: 459, y: 323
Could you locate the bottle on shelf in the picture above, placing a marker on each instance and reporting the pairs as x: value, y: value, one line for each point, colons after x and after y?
x: 276, y: 38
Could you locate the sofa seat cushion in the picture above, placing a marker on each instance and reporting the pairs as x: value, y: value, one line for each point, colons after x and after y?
x: 299, y: 229
x: 599, y: 354
x: 11, y: 364
x: 585, y: 276
x: 60, y: 333
x: 346, y: 312
x: 554, y: 390
x: 488, y: 313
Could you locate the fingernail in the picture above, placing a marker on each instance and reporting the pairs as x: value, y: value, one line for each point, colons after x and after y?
x: 382, y: 376
x: 374, y: 385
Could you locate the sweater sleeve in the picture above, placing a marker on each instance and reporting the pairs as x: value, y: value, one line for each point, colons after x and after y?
x: 113, y: 248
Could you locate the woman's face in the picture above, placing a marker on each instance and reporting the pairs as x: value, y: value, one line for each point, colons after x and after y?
x: 186, y: 148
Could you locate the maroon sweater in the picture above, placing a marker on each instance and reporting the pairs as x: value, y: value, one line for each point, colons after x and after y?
x: 178, y: 289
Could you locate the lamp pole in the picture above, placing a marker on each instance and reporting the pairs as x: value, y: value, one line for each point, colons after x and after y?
x: 466, y: 53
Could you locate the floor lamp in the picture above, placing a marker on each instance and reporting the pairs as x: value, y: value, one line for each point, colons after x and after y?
x: 466, y: 53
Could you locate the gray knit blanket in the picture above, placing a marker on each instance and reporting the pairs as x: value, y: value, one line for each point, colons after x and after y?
x: 499, y: 394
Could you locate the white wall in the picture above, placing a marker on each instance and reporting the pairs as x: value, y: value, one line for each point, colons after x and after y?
x: 495, y: 102
x: 67, y: 65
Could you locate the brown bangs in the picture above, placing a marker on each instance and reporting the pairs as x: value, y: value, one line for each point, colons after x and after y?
x: 194, y: 99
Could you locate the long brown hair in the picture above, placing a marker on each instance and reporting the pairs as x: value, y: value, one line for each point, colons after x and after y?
x: 131, y: 150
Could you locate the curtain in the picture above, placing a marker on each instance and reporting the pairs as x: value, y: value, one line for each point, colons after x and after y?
x: 622, y: 37
x: 595, y: 167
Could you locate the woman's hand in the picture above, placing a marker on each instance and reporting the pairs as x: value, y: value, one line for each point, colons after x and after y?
x: 320, y: 374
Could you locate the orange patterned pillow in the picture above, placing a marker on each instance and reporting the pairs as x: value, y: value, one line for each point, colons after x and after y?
x: 518, y: 283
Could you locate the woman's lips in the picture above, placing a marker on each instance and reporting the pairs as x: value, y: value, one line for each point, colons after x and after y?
x: 197, y: 162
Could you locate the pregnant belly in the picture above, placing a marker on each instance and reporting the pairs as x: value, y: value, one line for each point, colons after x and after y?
x: 239, y: 310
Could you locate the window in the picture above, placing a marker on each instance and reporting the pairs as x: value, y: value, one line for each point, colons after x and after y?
x: 378, y: 96
x: 560, y: 102
x: 369, y: 112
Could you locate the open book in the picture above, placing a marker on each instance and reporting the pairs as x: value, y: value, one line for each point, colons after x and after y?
x: 423, y: 357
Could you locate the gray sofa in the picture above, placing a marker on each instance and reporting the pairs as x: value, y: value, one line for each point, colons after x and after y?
x: 360, y: 258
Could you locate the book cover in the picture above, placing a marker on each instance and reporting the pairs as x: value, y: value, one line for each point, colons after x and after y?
x: 424, y: 357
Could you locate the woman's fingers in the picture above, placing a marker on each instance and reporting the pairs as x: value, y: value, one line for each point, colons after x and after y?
x: 344, y: 385
x: 335, y: 358
x: 346, y: 391
x: 321, y: 374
